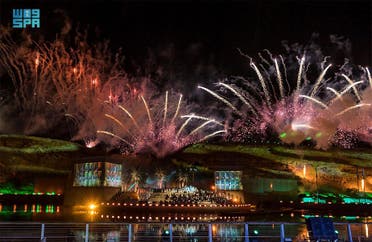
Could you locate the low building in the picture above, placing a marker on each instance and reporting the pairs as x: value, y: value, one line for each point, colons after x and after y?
x: 229, y: 183
x: 93, y: 180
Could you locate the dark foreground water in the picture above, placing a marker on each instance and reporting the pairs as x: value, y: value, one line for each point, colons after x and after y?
x: 31, y: 222
x: 193, y: 232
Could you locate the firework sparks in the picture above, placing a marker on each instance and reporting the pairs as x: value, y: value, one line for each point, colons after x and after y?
x: 159, y: 131
x: 319, y: 80
x: 221, y: 99
x: 353, y: 107
x: 304, y: 110
x: 314, y: 100
x: 52, y: 80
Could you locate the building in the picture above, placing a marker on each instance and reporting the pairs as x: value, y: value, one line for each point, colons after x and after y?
x: 94, y: 179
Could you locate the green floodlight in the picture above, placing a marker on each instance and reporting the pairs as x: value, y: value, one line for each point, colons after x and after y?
x: 283, y: 135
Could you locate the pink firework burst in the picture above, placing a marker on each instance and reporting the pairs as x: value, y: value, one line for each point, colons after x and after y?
x: 159, y: 126
x: 330, y: 108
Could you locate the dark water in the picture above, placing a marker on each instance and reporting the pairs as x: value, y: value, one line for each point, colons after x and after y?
x: 30, y: 212
x: 196, y: 231
x: 70, y: 225
x: 55, y: 212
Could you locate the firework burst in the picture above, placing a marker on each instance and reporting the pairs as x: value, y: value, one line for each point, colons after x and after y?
x: 54, y: 82
x: 157, y: 126
x: 330, y: 107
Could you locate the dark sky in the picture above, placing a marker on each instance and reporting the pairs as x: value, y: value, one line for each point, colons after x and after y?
x: 208, y: 31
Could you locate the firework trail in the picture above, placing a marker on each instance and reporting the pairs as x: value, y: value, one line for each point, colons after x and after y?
x: 55, y: 83
x: 155, y: 126
x: 329, y: 108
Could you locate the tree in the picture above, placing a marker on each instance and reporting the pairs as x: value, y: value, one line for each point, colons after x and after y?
x: 182, y: 179
x: 135, y: 179
x: 160, y: 176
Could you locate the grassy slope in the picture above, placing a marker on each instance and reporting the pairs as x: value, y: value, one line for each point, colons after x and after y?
x: 335, y: 168
x: 36, y: 155
x: 284, y: 155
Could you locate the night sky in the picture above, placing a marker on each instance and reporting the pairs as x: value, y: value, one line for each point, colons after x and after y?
x: 195, y: 42
x: 189, y: 34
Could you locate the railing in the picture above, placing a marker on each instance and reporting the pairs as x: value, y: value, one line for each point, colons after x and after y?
x: 173, y: 232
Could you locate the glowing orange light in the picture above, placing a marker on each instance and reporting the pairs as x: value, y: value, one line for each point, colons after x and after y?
x: 214, y: 228
x: 74, y: 70
x: 366, y: 229
x: 92, y: 206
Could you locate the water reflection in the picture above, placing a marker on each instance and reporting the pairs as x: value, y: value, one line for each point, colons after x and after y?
x: 198, y: 232
x: 227, y: 231
x: 29, y: 208
x: 25, y: 212
x: 182, y: 232
x: 159, y: 232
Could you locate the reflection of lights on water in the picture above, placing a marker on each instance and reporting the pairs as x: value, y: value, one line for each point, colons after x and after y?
x: 113, y: 236
x: 91, y: 209
x: 214, y: 228
x: 163, y: 219
x: 49, y: 209
x: 190, y: 230
x: 362, y: 184
x: 304, y: 171
x: 227, y: 231
x: 14, y: 208
x: 366, y: 229
x: 38, y: 208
